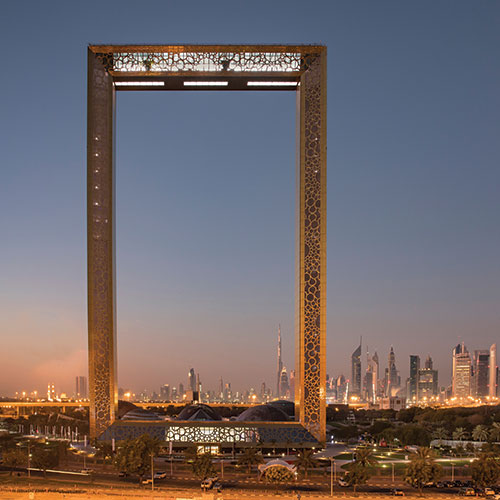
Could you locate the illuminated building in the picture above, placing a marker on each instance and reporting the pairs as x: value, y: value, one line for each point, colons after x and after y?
x: 284, y: 387
x: 462, y: 372
x: 165, y: 392
x: 371, y: 378
x: 493, y: 372
x: 413, y: 382
x: 297, y: 68
x: 81, y: 387
x: 481, y: 373
x: 192, y: 380
x: 279, y: 365
x: 356, y: 372
x: 51, y: 392
x: 392, y: 380
x: 427, y: 388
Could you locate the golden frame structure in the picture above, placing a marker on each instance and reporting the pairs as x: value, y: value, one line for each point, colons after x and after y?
x: 299, y: 68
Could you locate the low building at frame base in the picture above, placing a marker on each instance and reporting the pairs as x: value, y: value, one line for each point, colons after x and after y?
x: 223, y: 435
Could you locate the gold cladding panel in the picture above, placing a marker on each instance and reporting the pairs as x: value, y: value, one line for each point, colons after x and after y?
x: 100, y: 248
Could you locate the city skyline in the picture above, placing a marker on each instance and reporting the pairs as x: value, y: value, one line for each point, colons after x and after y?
x: 413, y: 208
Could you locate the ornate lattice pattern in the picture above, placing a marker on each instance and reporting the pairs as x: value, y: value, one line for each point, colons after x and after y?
x: 225, y: 433
x: 100, y: 244
x: 204, y: 61
x: 312, y: 252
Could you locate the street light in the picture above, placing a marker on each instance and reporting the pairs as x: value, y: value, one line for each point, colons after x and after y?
x: 392, y: 463
x: 333, y: 474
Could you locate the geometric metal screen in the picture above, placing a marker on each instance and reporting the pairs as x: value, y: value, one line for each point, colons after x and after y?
x: 299, y: 68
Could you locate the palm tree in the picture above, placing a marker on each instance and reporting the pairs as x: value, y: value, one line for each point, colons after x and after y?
x: 358, y: 468
x: 495, y: 431
x: 485, y: 470
x: 306, y: 461
x: 364, y: 457
x: 440, y: 433
x: 480, y: 433
x: 422, y: 468
x: 459, y: 434
x: 250, y: 456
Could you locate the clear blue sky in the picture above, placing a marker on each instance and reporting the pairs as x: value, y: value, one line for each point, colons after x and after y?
x: 205, y: 190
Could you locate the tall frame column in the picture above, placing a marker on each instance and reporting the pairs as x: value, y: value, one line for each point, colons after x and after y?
x: 103, y: 393
x: 310, y: 342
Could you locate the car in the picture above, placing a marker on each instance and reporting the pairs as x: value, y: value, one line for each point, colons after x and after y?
x: 86, y: 471
x: 488, y: 492
x: 397, y: 492
x: 209, y: 483
x: 343, y: 482
x: 123, y: 474
x: 147, y: 481
x: 160, y: 475
x: 467, y: 492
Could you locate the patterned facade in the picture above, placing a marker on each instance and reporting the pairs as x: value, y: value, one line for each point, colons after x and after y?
x: 165, y: 67
x: 222, y: 433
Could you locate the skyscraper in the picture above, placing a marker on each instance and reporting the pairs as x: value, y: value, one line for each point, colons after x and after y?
x: 427, y: 382
x: 371, y: 378
x: 462, y: 368
x: 493, y: 381
x: 192, y: 380
x: 355, y: 389
x: 280, y: 365
x: 284, y: 386
x: 81, y: 387
x: 481, y: 373
x: 413, y: 382
x: 392, y: 380
x: 165, y: 392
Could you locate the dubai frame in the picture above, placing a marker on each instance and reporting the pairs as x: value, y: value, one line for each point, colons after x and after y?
x: 301, y: 69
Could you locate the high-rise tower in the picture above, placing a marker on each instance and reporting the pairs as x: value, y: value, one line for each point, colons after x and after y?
x: 356, y: 371
x: 413, y: 385
x: 462, y: 368
x: 192, y: 380
x: 492, y: 385
x: 280, y: 365
x: 392, y: 379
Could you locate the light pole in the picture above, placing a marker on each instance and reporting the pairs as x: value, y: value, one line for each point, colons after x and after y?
x: 453, y: 471
x: 152, y: 472
x: 392, y: 463
x: 29, y: 459
x: 332, y: 465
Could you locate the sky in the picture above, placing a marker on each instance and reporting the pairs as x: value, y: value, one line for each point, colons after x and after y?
x: 205, y: 191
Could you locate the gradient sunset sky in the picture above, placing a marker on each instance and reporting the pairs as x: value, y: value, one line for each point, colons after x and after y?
x: 205, y: 190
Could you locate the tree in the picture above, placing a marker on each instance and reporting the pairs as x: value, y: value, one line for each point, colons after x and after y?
x: 485, y: 470
x: 202, y: 466
x: 459, y: 434
x: 278, y: 474
x: 358, y: 469
x: 413, y: 434
x: 357, y: 475
x: 422, y: 468
x: 43, y: 457
x: 480, y: 433
x: 104, y: 450
x: 249, y: 457
x: 495, y: 431
x: 7, y: 442
x: 306, y: 461
x: 134, y: 455
x: 440, y: 433
x: 14, y: 458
